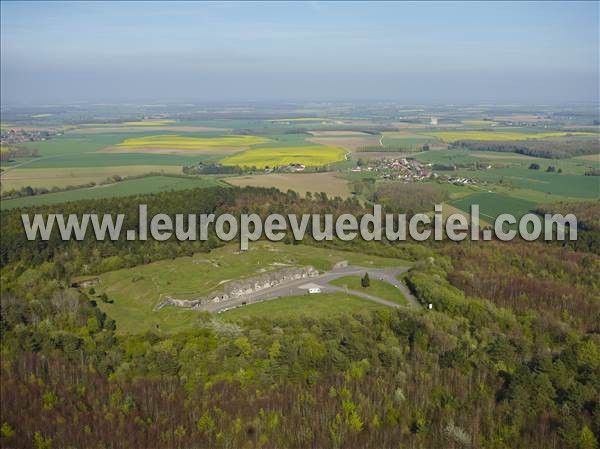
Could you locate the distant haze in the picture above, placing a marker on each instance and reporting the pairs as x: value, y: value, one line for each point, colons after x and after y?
x: 411, y: 52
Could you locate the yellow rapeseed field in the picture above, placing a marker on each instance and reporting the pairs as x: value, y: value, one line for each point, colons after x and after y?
x: 313, y: 155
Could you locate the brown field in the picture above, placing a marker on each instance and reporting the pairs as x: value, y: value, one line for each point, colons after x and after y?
x: 338, y: 133
x: 589, y: 157
x: 348, y: 143
x: 380, y: 155
x: 62, y: 177
x: 299, y: 182
x: 521, y: 118
x: 404, y: 125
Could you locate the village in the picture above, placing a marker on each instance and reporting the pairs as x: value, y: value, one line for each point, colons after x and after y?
x: 408, y: 170
x: 14, y: 136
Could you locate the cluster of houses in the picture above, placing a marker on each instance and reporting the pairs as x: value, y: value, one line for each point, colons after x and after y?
x: 291, y: 168
x: 14, y: 136
x: 459, y: 181
x: 401, y: 169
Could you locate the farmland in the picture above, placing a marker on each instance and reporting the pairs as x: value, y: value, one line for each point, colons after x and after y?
x: 492, y: 204
x: 329, y: 183
x: 149, y: 123
x: 352, y: 142
x: 166, y: 143
x: 451, y: 136
x: 314, y: 156
x: 93, y: 152
x: 405, y: 139
x: 479, y: 122
x: 561, y: 185
x: 67, y: 176
x: 138, y: 186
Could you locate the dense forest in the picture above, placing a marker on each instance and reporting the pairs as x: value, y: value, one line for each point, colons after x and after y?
x: 588, y: 222
x: 509, y: 356
x: 398, y: 197
x: 546, y: 148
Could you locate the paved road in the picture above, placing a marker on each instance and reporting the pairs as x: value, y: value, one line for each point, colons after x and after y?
x: 299, y: 287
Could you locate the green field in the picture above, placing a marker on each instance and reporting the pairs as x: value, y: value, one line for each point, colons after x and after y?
x: 149, y: 184
x: 509, y: 174
x: 150, y: 123
x: 378, y: 288
x: 478, y: 122
x: 405, y: 139
x: 115, y: 159
x: 323, y: 305
x: 561, y: 185
x: 505, y: 159
x: 83, y: 150
x: 314, y: 156
x: 492, y: 204
x: 137, y: 290
x: 69, y: 144
x: 446, y: 157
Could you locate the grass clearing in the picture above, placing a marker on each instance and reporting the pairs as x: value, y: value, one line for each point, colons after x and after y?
x: 498, y: 155
x: 315, y: 306
x: 589, y: 157
x: 329, y: 183
x: 150, y: 184
x: 313, y: 156
x: 137, y: 290
x: 378, y: 288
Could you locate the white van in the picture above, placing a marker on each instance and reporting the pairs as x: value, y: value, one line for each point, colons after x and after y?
x: 313, y: 290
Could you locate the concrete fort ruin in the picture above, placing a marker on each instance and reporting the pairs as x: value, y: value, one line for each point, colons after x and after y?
x: 242, y: 288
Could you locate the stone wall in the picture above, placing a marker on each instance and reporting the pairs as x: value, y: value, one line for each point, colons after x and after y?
x: 243, y: 288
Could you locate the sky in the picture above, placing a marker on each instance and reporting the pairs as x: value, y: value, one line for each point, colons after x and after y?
x: 439, y: 53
